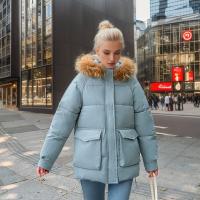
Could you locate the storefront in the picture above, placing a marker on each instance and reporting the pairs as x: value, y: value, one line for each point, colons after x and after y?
x: 38, y: 49
x: 49, y: 48
x: 170, y: 53
x: 8, y: 95
x: 182, y: 80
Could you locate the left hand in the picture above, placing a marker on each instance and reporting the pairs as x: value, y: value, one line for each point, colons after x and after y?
x: 153, y: 173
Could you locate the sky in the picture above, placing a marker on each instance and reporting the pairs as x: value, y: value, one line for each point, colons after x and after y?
x: 143, y: 9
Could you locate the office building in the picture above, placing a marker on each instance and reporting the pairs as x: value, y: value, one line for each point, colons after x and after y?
x: 46, y: 37
x: 163, y: 9
x: 9, y: 54
x: 169, y: 56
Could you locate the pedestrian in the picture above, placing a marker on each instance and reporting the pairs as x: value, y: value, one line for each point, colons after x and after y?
x: 167, y: 102
x: 150, y: 101
x: 108, y: 110
x: 175, y: 101
x: 155, y: 102
x: 162, y: 101
x: 196, y: 100
x: 180, y: 102
x: 171, y: 103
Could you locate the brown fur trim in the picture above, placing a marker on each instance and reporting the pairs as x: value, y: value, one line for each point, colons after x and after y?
x: 86, y: 64
x: 126, y: 71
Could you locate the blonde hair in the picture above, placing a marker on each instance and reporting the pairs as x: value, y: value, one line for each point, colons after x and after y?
x: 107, y: 32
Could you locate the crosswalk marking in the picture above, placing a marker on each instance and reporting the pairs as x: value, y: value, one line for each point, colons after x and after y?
x: 161, y: 127
x: 172, y: 135
x: 166, y: 134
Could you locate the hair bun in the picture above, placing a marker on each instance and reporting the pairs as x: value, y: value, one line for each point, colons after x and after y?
x: 105, y: 24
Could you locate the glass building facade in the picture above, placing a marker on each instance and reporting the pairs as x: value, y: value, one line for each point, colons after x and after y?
x: 36, y: 53
x: 40, y: 41
x: 166, y: 47
x: 162, y: 9
x: 5, y: 38
x: 8, y: 63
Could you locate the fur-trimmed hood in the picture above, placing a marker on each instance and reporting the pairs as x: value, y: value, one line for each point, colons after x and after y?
x: 89, y: 65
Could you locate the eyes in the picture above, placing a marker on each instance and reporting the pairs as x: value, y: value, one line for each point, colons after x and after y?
x: 115, y: 53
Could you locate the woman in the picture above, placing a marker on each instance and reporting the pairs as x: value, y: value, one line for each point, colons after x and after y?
x: 108, y: 110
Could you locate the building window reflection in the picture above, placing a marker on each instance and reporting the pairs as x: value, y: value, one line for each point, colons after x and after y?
x: 8, y: 95
x: 36, y: 52
x: 26, y: 87
x: 164, y: 46
x: 5, y: 42
x: 49, y: 85
x: 162, y: 9
x: 47, y: 32
x: 39, y: 86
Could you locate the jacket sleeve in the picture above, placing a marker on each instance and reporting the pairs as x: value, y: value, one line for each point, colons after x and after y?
x: 61, y: 126
x: 144, y: 126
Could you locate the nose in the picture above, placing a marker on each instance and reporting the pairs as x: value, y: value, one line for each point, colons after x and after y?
x: 112, y: 57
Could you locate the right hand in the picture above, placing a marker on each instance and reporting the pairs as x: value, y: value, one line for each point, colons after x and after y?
x: 153, y: 173
x: 41, y: 171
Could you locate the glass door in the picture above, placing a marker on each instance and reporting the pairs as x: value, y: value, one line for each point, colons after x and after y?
x: 8, y: 96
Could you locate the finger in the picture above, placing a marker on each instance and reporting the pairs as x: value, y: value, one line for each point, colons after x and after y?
x: 156, y: 172
x: 38, y: 171
x: 41, y: 171
x: 153, y: 173
x: 45, y: 172
x: 150, y: 174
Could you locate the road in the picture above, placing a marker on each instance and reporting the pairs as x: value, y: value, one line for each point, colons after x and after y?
x: 184, y: 126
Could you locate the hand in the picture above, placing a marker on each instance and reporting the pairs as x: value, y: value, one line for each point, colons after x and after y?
x: 153, y: 173
x: 41, y: 171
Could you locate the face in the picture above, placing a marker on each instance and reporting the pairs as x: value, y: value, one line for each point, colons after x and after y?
x: 109, y: 53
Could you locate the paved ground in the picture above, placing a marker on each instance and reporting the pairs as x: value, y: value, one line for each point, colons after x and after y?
x: 21, y: 137
x: 177, y: 125
x: 188, y: 110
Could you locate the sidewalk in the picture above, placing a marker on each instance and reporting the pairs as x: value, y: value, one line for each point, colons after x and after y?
x: 22, y: 135
x: 188, y: 109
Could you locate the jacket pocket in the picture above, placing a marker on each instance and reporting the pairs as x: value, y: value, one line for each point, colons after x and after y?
x: 88, y: 149
x: 129, y: 151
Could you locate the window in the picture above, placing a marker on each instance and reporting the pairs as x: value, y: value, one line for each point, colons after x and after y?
x: 39, y: 86
x: 36, y: 52
x: 5, y: 27
x: 26, y: 88
x: 49, y: 85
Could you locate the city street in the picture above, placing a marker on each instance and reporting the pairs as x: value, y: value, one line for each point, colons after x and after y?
x: 109, y: 54
x: 185, y: 126
x: 22, y: 135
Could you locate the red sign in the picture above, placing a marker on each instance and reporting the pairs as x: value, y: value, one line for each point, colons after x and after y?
x: 191, y: 76
x: 187, y: 35
x: 189, y: 73
x: 161, y: 87
x: 177, y: 73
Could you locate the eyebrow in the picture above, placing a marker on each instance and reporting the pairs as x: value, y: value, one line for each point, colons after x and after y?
x: 115, y: 51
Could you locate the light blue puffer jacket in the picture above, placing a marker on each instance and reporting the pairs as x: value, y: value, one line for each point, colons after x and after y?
x: 112, y: 124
